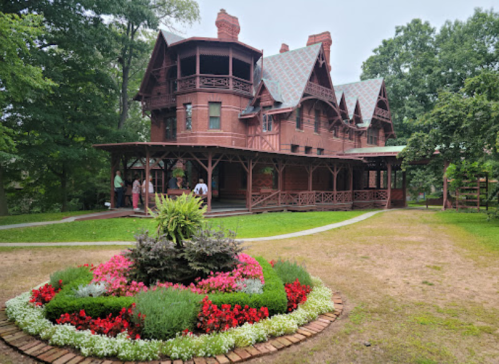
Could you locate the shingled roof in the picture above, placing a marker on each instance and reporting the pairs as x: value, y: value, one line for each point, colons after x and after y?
x: 366, y: 92
x: 171, y: 37
x: 286, y: 75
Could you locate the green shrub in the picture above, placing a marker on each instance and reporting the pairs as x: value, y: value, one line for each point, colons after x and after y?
x: 288, y: 272
x: 66, y: 302
x: 273, y: 296
x: 69, y: 275
x: 178, y: 219
x: 168, y: 312
x: 212, y: 251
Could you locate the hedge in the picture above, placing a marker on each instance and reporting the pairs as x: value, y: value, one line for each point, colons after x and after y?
x: 273, y: 296
x: 66, y: 302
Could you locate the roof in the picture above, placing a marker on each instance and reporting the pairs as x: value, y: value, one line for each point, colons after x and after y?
x: 366, y: 92
x: 286, y: 75
x: 375, y: 151
x: 132, y: 147
x: 171, y: 37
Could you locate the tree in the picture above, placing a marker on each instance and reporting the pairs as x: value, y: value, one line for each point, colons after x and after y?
x: 463, y: 126
x: 19, y: 78
x: 418, y: 63
x: 132, y: 20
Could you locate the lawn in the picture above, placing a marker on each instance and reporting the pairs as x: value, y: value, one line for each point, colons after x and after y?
x: 410, y: 289
x: 486, y: 232
x: 49, y: 216
x: 123, y: 229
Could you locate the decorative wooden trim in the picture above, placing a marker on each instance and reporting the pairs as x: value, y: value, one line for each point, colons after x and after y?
x: 41, y: 351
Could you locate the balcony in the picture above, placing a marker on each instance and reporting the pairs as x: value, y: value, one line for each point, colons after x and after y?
x: 319, y: 91
x: 210, y: 82
x: 382, y: 113
x: 159, y: 102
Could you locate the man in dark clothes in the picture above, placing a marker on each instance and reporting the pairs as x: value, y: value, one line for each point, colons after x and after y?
x: 172, y: 183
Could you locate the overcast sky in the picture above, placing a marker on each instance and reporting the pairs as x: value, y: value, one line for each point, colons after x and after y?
x: 357, y: 27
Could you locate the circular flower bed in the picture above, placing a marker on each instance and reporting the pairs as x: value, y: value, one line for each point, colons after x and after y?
x: 182, y: 294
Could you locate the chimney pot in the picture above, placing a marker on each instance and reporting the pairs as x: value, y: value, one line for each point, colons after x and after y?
x: 284, y: 48
x: 228, y: 26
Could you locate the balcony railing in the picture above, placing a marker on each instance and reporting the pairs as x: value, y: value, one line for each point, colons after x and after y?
x: 159, y: 102
x: 384, y: 114
x: 314, y: 198
x: 319, y: 91
x: 215, y: 82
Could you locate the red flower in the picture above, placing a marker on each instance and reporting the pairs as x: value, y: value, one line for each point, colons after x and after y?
x: 211, y: 318
x: 44, y: 294
x: 296, y: 294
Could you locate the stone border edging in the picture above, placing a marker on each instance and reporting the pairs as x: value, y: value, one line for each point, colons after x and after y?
x: 316, y: 230
x: 41, y: 351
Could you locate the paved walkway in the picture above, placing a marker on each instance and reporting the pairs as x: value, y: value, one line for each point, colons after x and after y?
x: 67, y: 219
x: 276, y: 237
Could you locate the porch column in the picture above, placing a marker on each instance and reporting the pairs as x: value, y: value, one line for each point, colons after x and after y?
x: 335, y: 174
x: 351, y: 178
x: 230, y: 68
x: 404, y: 192
x: 280, y: 169
x: 310, y: 174
x: 249, y: 183
x: 210, y: 172
x: 389, y: 183
x: 378, y: 176
x: 446, y: 165
x: 146, y: 184
x: 113, y: 173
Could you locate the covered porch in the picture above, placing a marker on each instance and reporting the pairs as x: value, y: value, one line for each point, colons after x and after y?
x: 243, y: 180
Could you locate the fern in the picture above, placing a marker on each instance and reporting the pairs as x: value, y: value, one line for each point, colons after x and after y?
x: 178, y: 219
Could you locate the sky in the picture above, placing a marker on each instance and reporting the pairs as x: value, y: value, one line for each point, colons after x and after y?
x: 357, y: 27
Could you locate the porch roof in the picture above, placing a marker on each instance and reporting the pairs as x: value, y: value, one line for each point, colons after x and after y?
x: 375, y: 151
x: 140, y: 146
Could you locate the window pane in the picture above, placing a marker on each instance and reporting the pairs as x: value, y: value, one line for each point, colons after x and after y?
x: 188, y: 116
x: 214, y: 122
x: 214, y: 109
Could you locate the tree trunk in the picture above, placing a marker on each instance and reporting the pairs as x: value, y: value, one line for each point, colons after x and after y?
x: 124, y: 95
x: 64, y: 191
x: 4, y: 210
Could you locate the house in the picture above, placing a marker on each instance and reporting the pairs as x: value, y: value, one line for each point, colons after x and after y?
x: 268, y: 133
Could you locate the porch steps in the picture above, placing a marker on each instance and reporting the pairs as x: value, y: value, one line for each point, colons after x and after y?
x: 227, y: 213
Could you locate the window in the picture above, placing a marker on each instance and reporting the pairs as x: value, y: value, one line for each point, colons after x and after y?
x: 308, y: 150
x: 335, y: 132
x: 350, y: 134
x: 317, y: 120
x: 215, y: 108
x: 372, y: 136
x: 320, y: 151
x: 266, y: 120
x: 294, y: 148
x: 299, y: 123
x: 171, y: 128
x: 188, y: 116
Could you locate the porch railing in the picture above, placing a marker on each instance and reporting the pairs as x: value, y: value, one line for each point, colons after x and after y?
x: 215, y: 82
x: 312, y: 198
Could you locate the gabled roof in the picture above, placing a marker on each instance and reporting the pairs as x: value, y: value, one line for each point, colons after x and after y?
x: 366, y: 92
x: 171, y: 37
x: 286, y: 75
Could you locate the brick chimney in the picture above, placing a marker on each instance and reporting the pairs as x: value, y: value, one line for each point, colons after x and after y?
x: 228, y: 26
x: 325, y: 38
x: 284, y: 48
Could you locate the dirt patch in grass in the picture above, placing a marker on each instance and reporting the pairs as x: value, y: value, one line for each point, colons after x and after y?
x: 415, y: 291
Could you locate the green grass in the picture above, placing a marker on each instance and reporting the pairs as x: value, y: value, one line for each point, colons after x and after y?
x: 485, y: 232
x: 49, y: 216
x: 123, y: 229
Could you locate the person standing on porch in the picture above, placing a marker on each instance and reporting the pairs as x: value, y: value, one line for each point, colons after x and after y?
x: 201, y: 189
x: 136, y: 192
x: 118, y: 188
